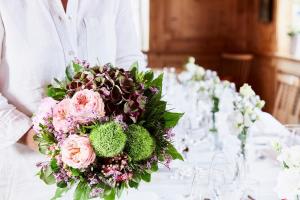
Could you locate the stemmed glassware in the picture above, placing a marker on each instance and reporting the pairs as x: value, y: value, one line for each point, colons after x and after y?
x: 294, y: 137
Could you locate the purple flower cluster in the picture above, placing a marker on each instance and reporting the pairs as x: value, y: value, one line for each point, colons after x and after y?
x: 152, y: 160
x: 96, y: 192
x: 62, y: 176
x: 169, y: 134
x: 117, y: 168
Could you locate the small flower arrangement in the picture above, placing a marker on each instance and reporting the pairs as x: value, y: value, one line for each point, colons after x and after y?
x: 247, y: 106
x: 103, y: 129
x: 288, y: 181
x: 193, y: 72
x: 293, y: 33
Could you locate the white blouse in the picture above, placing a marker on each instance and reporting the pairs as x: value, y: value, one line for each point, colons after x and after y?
x: 37, y: 40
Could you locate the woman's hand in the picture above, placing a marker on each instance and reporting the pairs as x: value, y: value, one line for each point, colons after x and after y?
x: 27, y: 140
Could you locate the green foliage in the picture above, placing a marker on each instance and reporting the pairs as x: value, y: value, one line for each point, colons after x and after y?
x: 145, y: 77
x: 293, y: 33
x: 59, y: 193
x: 157, y: 83
x: 54, y: 166
x: 56, y: 93
x: 171, y: 119
x: 146, y: 177
x: 216, y: 102
x: 72, y: 70
x: 69, y: 73
x: 172, y: 151
x: 110, y: 194
x: 154, y: 167
x: 46, y: 175
x: 82, y: 191
x: 77, y: 68
x: 140, y: 145
x: 45, y: 139
x: 108, y: 139
x: 75, y: 172
x: 120, y: 189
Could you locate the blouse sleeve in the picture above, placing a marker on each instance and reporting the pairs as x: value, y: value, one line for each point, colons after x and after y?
x: 128, y: 51
x: 13, y: 123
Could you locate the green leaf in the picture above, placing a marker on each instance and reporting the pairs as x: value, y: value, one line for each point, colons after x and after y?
x: 44, y: 140
x: 146, y: 177
x: 133, y: 184
x: 61, y: 84
x: 154, y: 167
x: 171, y: 119
x: 172, y: 151
x: 62, y: 184
x: 77, y: 68
x: 111, y: 195
x: 69, y: 73
x: 216, y: 102
x: 54, y: 166
x: 82, y: 191
x: 120, y: 190
x: 134, y: 67
x: 75, y: 172
x: 60, y: 192
x: 137, y: 178
x: 158, y: 83
x: 148, y: 76
x: 47, y: 176
x: 56, y: 93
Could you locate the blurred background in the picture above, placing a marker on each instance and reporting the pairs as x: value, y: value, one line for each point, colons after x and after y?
x: 254, y: 41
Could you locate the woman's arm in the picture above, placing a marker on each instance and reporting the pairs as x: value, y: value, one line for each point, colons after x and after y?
x: 13, y: 123
x: 27, y: 139
x: 128, y: 50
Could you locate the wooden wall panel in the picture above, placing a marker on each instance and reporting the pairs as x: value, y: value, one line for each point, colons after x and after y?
x: 197, y: 27
x: 207, y: 28
x: 182, y: 28
x: 262, y: 36
x: 263, y: 80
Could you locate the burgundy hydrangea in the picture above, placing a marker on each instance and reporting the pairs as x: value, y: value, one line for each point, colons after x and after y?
x: 122, y: 95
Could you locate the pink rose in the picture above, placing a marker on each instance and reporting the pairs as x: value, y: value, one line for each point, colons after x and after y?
x: 44, y: 113
x: 77, y: 152
x: 62, y: 120
x: 86, y: 106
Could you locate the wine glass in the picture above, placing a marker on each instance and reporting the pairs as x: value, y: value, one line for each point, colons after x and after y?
x: 294, y: 137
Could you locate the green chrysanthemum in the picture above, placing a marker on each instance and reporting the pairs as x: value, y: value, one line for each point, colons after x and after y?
x: 108, y: 139
x: 140, y: 144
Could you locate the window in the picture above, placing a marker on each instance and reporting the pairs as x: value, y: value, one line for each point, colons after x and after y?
x: 288, y: 22
x: 295, y: 14
x: 141, y: 11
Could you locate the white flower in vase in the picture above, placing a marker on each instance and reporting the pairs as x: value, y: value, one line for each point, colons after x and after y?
x: 276, y: 145
x: 247, y: 91
x: 288, y: 184
x: 290, y: 157
x: 235, y: 121
x: 247, y: 121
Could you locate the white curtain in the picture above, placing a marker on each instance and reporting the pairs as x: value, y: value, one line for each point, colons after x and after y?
x: 141, y: 10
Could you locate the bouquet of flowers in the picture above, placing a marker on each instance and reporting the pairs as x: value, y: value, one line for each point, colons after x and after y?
x: 104, y: 129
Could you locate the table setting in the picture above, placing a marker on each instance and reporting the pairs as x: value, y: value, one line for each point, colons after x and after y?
x: 220, y: 162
